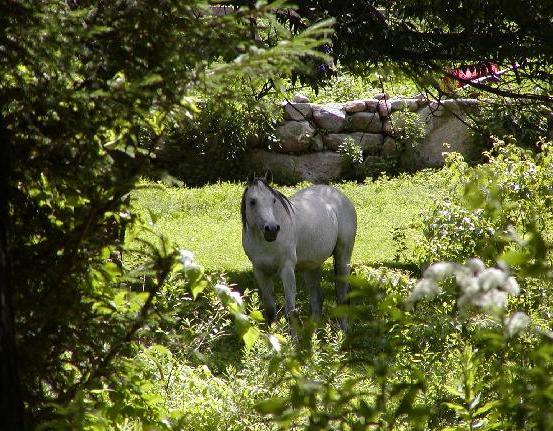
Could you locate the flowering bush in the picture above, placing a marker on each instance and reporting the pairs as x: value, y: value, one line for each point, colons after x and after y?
x: 453, y: 232
x: 512, y: 192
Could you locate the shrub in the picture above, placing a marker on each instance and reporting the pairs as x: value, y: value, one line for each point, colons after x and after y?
x: 526, y: 122
x: 488, y: 203
x: 212, y: 145
x: 346, y: 86
x: 363, y: 166
x: 410, y: 127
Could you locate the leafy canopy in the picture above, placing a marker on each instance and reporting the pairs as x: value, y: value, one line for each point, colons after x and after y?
x: 85, y: 88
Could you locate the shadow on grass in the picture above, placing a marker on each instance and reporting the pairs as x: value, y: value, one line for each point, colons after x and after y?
x: 365, y: 339
x: 412, y: 268
x: 244, y: 281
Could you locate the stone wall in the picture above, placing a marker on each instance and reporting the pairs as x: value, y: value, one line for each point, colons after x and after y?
x: 311, y: 134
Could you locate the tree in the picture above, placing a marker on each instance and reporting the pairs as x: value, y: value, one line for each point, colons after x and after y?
x: 84, y: 90
x: 426, y: 38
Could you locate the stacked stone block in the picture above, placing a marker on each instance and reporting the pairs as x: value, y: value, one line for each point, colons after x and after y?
x: 310, y: 136
x: 309, y: 127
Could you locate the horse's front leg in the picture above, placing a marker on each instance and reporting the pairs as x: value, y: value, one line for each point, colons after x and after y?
x: 289, y: 283
x: 265, y: 283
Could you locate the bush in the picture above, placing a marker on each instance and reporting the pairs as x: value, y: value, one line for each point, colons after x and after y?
x: 212, y: 146
x: 346, y: 86
x: 488, y: 203
x: 411, y: 128
x: 525, y: 122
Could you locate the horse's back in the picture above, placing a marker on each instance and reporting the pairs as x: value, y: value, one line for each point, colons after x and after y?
x: 317, y: 197
x: 325, y: 217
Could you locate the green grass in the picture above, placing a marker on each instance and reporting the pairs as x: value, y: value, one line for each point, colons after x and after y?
x: 428, y: 341
x: 206, y: 220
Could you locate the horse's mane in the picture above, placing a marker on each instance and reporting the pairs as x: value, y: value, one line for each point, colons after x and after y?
x: 284, y: 201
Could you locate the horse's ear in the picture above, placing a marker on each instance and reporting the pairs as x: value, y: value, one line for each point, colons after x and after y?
x: 251, y: 177
x: 268, y: 176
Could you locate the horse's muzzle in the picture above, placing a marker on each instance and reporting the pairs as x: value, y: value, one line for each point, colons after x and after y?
x: 270, y: 232
x: 270, y: 236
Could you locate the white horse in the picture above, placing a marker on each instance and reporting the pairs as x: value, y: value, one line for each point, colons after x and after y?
x: 281, y: 235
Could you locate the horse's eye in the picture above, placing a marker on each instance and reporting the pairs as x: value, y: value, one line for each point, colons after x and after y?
x: 252, y: 202
x: 274, y: 201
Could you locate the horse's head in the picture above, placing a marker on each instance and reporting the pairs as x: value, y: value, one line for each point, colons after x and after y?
x: 260, y: 207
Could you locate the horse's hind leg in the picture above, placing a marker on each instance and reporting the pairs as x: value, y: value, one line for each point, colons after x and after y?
x: 342, y: 258
x: 312, y: 279
x: 265, y: 284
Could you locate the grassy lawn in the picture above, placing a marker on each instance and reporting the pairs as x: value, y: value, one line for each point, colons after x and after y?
x: 206, y: 220
x: 223, y: 395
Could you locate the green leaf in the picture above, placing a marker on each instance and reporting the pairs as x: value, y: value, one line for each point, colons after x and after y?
x: 486, y: 407
x: 257, y: 316
x: 274, y: 405
x: 198, y: 287
x: 152, y: 79
x: 456, y: 407
x: 514, y: 257
x: 158, y: 348
x: 99, y: 29
x: 250, y: 336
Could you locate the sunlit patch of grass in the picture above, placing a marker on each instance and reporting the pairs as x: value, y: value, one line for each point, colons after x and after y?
x: 206, y: 220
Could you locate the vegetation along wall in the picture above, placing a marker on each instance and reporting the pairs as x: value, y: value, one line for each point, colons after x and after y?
x: 361, y: 138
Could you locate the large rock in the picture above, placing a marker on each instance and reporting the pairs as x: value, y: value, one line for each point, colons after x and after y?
x: 365, y: 122
x: 404, y: 104
x: 290, y: 169
x: 382, y: 96
x: 355, y: 106
x: 294, y: 136
x: 443, y: 126
x: 371, y: 105
x: 297, y: 111
x: 387, y: 126
x: 369, y: 143
x: 300, y: 98
x: 384, y: 108
x: 422, y: 100
x: 463, y: 105
x: 332, y: 117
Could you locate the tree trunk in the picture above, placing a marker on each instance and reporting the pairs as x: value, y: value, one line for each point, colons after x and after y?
x: 11, y: 403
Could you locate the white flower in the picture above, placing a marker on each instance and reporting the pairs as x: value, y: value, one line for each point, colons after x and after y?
x: 186, y: 257
x: 225, y: 291
x: 439, y: 271
x: 468, y: 284
x: 222, y: 289
x: 491, y: 278
x: 487, y: 288
x: 193, y: 268
x: 424, y: 288
x: 275, y: 344
x: 516, y: 323
x: 491, y: 299
x: 236, y: 297
x: 476, y: 265
x: 511, y: 286
x: 242, y: 319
